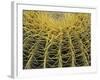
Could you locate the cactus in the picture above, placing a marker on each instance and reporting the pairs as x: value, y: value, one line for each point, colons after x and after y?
x: 56, y: 39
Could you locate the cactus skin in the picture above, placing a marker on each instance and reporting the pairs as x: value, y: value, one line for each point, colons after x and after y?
x: 56, y: 39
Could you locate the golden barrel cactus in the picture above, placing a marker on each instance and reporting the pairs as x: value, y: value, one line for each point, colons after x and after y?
x: 56, y: 39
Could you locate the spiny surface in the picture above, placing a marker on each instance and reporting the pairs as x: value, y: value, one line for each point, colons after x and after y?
x: 56, y: 39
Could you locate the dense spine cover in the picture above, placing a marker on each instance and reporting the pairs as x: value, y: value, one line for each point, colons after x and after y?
x: 56, y: 39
